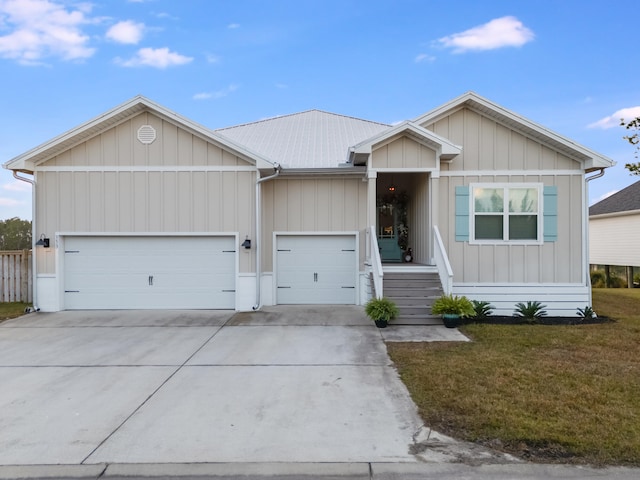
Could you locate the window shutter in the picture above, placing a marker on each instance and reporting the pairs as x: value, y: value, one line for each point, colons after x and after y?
x: 462, y: 214
x: 550, y: 217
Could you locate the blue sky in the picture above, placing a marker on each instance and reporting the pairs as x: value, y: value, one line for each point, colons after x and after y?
x: 568, y: 65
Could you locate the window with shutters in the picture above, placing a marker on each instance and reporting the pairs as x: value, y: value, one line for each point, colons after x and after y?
x: 502, y: 213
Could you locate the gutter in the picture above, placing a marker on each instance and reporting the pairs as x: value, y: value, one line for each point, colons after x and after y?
x: 585, y: 231
x: 34, y: 280
x: 277, y: 169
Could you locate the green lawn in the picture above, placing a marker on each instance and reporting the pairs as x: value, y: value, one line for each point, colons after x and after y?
x: 544, y: 393
x: 12, y: 310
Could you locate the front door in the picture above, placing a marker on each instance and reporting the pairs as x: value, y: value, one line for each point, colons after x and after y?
x: 392, y: 231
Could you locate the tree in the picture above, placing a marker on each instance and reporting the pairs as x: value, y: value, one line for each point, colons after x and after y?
x: 633, y: 139
x: 15, y: 234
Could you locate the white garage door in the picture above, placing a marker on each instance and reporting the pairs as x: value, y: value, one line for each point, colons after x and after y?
x: 149, y: 272
x: 316, y: 269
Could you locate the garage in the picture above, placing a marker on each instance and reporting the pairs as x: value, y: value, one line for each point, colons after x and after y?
x: 316, y: 269
x: 148, y: 272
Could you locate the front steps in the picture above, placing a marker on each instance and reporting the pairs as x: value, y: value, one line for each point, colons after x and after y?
x: 413, y: 289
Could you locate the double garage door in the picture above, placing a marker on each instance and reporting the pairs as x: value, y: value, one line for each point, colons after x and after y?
x: 149, y: 272
x: 316, y: 269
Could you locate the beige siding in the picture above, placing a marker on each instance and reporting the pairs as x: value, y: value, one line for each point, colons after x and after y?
x: 403, y: 153
x: 119, y: 146
x: 552, y: 262
x: 614, y: 240
x: 488, y: 145
x: 313, y: 205
x: 419, y: 230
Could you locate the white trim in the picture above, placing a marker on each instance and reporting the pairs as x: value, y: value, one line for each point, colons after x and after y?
x: 614, y: 214
x: 147, y: 168
x: 505, y: 214
x: 403, y: 170
x: 353, y: 233
x: 508, y: 173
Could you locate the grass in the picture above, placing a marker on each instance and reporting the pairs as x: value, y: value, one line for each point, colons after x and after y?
x: 567, y: 394
x: 12, y: 310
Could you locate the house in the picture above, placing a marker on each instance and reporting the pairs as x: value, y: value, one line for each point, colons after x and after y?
x: 143, y: 208
x: 614, y: 230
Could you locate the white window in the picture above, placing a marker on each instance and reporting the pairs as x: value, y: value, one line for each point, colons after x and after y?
x: 506, y: 213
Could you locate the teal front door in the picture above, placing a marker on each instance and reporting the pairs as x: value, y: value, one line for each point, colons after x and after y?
x: 390, y: 251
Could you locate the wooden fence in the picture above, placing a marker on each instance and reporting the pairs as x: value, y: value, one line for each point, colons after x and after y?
x: 17, y: 282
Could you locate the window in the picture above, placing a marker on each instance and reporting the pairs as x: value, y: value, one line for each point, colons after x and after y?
x: 506, y: 213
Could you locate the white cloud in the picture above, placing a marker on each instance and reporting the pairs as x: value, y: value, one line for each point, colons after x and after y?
x: 17, y: 186
x: 231, y: 26
x: 211, y: 58
x: 9, y: 202
x: 498, y: 33
x: 606, y: 195
x: 127, y: 31
x: 155, y: 57
x: 423, y: 57
x: 613, y: 120
x: 215, y: 95
x: 43, y: 28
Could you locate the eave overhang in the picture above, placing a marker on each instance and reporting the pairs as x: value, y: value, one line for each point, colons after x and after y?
x: 28, y: 161
x: 589, y: 159
x: 446, y: 150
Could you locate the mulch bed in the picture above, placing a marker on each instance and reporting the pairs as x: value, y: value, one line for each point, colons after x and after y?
x: 510, y: 320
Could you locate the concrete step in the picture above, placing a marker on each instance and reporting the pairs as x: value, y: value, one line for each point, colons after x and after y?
x: 417, y: 320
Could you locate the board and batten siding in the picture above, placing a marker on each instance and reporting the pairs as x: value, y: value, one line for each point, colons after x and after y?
x: 313, y: 205
x: 560, y: 261
x: 613, y: 240
x: 403, y: 153
x: 489, y: 145
x: 179, y: 183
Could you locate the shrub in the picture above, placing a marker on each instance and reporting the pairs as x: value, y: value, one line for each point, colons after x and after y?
x: 586, y: 313
x: 453, y: 304
x: 381, y: 309
x: 531, y: 311
x: 597, y: 279
x: 482, y: 309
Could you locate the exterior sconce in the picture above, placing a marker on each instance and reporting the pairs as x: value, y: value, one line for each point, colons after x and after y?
x: 246, y: 243
x: 43, y: 242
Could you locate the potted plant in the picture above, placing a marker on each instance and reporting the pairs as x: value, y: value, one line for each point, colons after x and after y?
x: 381, y: 311
x: 452, y: 308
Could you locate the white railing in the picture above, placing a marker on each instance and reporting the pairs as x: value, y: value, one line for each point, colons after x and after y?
x: 442, y: 262
x: 15, y: 278
x: 376, y: 263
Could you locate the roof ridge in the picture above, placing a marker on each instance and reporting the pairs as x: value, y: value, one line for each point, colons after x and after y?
x: 300, y: 113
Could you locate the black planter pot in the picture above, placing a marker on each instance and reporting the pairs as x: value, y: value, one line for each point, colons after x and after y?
x: 381, y: 323
x: 451, y: 320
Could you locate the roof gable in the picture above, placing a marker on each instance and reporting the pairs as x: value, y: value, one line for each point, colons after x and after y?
x: 28, y: 160
x: 590, y: 159
x: 306, y: 140
x: 626, y: 200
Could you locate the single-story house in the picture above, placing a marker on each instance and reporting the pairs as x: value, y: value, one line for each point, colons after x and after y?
x: 614, y: 230
x: 143, y: 208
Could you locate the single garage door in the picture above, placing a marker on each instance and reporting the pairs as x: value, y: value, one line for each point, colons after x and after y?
x: 318, y: 269
x: 149, y: 272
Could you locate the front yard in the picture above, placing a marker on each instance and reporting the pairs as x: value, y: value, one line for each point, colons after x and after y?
x: 567, y: 394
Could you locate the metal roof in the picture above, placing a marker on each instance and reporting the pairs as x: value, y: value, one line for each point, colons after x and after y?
x: 311, y: 139
x: 626, y: 200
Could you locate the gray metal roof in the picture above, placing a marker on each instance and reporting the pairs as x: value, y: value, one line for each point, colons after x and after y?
x: 627, y: 199
x: 311, y: 139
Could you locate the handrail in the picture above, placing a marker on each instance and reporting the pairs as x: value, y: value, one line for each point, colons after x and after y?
x: 376, y: 262
x: 445, y: 272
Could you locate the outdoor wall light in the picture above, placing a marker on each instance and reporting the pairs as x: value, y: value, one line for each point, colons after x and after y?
x: 246, y: 243
x: 43, y: 242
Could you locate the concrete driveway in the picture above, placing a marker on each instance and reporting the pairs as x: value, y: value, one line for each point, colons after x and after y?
x: 283, y: 385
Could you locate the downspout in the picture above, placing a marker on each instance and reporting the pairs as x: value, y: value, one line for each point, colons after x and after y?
x: 34, y: 284
x: 277, y: 168
x: 586, y: 235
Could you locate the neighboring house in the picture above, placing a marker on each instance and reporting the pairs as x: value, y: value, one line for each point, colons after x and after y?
x: 147, y: 209
x: 614, y: 229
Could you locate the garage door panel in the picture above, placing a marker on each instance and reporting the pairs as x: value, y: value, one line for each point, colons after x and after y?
x: 149, y: 272
x: 316, y: 269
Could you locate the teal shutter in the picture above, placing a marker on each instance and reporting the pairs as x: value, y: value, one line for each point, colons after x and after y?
x: 550, y: 215
x: 462, y: 214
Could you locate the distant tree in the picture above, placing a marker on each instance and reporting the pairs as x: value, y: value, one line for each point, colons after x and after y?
x: 15, y: 234
x: 633, y: 139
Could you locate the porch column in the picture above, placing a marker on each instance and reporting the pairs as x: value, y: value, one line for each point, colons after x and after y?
x: 434, y: 209
x: 372, y: 180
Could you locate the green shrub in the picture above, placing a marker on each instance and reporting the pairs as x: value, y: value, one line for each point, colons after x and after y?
x: 453, y: 304
x: 531, y: 311
x: 482, y: 309
x: 597, y: 279
x: 381, y: 309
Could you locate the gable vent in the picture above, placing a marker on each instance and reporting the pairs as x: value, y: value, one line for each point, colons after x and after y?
x: 146, y: 134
